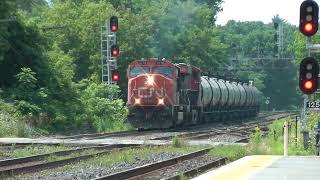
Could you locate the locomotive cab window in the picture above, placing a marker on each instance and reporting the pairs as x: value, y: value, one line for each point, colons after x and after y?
x: 166, y: 71
x: 137, y: 70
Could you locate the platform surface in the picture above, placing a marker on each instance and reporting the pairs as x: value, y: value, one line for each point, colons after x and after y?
x: 268, y: 167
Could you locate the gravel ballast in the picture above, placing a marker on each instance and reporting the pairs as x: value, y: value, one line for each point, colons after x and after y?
x: 86, y: 171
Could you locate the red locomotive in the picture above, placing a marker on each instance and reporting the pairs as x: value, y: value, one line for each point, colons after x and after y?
x: 162, y: 94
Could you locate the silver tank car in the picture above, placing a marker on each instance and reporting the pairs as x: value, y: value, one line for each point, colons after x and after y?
x: 228, y: 95
x: 215, y: 91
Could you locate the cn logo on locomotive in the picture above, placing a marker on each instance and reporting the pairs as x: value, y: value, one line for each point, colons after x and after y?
x: 145, y: 92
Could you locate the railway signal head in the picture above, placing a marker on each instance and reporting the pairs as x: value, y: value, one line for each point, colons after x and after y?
x: 309, y: 15
x: 308, y: 76
x: 115, y: 75
x: 275, y: 25
x: 115, y: 50
x: 114, y: 24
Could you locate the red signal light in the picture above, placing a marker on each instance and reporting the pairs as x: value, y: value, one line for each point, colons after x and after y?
x: 308, y: 75
x: 114, y: 28
x: 115, y: 51
x: 308, y: 27
x: 309, y: 16
x: 114, y: 23
x: 115, y: 75
x: 308, y: 85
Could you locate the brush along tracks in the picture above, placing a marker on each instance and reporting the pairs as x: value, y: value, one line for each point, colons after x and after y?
x: 188, y: 164
x: 241, y: 131
x: 40, y: 162
x: 145, y: 132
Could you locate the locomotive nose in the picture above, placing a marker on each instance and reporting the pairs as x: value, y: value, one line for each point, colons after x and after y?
x: 150, y: 90
x: 150, y: 80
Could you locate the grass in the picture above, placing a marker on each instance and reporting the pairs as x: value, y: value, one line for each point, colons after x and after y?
x: 183, y: 177
x: 85, y: 152
x: 178, y: 142
x: 34, y: 150
x: 31, y: 150
x: 272, y: 144
x: 116, y: 157
x: 232, y: 152
x: 258, y: 145
x: 13, y: 124
x: 130, y: 155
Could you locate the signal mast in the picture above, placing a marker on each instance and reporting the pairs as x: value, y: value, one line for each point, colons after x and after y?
x: 109, y: 51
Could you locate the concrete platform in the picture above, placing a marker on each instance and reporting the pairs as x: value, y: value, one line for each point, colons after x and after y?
x: 268, y: 167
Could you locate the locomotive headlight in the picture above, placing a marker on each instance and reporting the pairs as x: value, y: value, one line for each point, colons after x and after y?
x: 150, y: 80
x: 137, y: 101
x: 161, y: 101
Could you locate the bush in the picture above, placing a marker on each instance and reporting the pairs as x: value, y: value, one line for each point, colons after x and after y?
x: 273, y: 143
x: 105, y: 113
x: 178, y: 142
x: 12, y: 124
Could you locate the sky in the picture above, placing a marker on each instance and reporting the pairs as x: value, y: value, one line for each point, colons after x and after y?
x: 260, y: 10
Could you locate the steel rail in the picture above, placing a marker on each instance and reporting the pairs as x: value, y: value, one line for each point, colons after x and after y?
x: 39, y: 157
x: 232, y: 130
x: 121, y: 133
x: 97, y: 134
x: 152, y: 167
x: 200, y: 169
x: 34, y: 163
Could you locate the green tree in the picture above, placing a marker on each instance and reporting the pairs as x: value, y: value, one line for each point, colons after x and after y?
x: 106, y: 114
x: 252, y: 47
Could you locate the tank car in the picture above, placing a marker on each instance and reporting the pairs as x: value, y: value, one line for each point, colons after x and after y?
x: 162, y: 94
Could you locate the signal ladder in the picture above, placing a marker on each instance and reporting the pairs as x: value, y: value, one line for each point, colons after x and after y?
x: 108, y: 63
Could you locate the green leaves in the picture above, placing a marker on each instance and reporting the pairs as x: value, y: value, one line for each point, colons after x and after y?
x: 26, y: 79
x: 105, y: 113
x: 26, y: 85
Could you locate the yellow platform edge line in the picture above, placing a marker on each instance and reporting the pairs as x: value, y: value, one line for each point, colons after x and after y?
x: 240, y: 169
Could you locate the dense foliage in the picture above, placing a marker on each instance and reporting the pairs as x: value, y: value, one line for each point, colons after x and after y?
x: 254, y: 55
x: 50, y: 55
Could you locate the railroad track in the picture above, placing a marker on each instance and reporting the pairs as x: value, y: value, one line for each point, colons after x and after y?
x: 188, y: 164
x: 97, y: 135
x: 194, y: 163
x: 242, y: 130
x: 136, y: 132
x: 40, y: 162
x: 197, y: 132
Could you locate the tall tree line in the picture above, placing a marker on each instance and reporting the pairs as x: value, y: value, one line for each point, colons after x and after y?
x: 50, y: 55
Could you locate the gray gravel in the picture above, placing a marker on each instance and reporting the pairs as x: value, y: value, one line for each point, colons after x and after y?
x: 178, y: 168
x: 225, y: 138
x: 90, y: 172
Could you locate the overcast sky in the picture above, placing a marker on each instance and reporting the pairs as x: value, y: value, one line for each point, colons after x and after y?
x: 260, y: 10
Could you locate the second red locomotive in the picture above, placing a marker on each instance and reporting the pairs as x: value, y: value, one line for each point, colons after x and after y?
x: 162, y: 94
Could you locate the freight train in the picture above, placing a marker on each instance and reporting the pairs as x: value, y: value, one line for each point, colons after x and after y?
x: 162, y: 94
